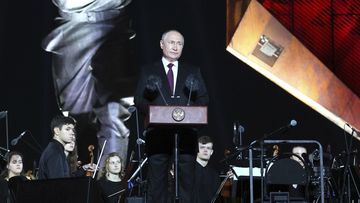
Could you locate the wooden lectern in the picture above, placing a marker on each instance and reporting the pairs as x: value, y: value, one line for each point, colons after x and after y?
x: 176, y: 117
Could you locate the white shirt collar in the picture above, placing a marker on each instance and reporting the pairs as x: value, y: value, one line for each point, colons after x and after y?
x: 175, y: 69
x: 166, y: 62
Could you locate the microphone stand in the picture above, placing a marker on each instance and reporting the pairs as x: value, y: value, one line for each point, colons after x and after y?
x: 2, y: 115
x: 137, y: 171
x: 250, y: 148
x: 4, y: 155
x: 7, y: 129
x: 347, y: 174
x: 31, y: 146
x: 140, y: 160
x: 191, y: 87
x: 161, y: 94
x: 251, y: 145
x: 37, y: 148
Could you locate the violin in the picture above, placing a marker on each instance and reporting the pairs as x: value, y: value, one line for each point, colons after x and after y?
x: 29, y: 175
x: 276, y: 150
x: 91, y: 154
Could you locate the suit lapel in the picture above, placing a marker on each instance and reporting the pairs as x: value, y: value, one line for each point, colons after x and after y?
x: 180, y: 79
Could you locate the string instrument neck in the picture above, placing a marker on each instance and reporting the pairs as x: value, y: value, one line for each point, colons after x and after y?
x: 91, y: 154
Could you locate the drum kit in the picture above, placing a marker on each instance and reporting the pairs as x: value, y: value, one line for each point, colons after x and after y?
x: 341, y: 173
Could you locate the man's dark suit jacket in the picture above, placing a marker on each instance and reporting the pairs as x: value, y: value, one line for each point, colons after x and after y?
x: 53, y: 162
x: 158, y: 139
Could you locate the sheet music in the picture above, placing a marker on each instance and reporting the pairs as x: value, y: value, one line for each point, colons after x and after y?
x: 244, y: 172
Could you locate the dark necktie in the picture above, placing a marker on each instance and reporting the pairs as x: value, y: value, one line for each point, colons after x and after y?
x: 170, y: 77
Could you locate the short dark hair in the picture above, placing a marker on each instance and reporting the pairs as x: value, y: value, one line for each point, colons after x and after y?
x: 205, y: 139
x: 59, y: 121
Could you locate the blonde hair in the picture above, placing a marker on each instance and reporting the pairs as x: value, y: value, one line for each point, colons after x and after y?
x: 105, y: 168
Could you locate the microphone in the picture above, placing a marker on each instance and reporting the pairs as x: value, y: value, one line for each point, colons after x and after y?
x: 153, y: 84
x: 140, y: 141
x: 238, y: 131
x: 292, y: 123
x: 16, y: 140
x: 3, y: 114
x: 192, y: 85
x: 132, y: 109
x: 283, y: 129
x: 238, y: 137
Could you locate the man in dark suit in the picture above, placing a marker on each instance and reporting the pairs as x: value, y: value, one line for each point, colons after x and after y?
x: 207, y: 178
x: 53, y: 162
x: 169, y: 82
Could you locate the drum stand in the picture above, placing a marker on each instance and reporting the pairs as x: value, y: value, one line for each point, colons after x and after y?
x: 348, y: 176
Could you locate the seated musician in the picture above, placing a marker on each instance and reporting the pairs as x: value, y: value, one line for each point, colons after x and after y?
x: 295, y: 180
x: 12, y: 173
x: 298, y: 190
x: 111, y: 182
x: 207, y: 179
x: 76, y: 170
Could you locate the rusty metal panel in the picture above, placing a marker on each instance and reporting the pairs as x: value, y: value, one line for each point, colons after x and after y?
x: 297, y: 70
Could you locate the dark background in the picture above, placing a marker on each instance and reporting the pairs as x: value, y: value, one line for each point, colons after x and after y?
x: 237, y: 92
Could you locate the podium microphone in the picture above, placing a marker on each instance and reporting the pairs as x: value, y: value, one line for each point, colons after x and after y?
x: 16, y: 140
x: 154, y: 83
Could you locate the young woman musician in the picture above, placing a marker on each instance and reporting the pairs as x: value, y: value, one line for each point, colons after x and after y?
x: 13, y: 170
x: 72, y: 157
x: 111, y: 182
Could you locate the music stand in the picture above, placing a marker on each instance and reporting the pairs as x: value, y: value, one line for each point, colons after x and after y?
x: 176, y: 117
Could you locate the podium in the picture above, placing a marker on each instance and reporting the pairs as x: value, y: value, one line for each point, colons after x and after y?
x: 167, y: 116
x: 176, y: 117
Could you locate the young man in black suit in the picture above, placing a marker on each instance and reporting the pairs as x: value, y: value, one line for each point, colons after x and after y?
x: 169, y: 82
x: 207, y: 178
x: 53, y: 163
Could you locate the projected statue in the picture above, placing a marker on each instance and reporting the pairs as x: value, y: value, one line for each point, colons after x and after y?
x: 92, y: 66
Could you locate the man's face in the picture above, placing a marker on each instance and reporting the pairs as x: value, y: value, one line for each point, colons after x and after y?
x: 298, y: 151
x: 114, y: 165
x: 172, y: 45
x: 205, y: 151
x: 66, y: 133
